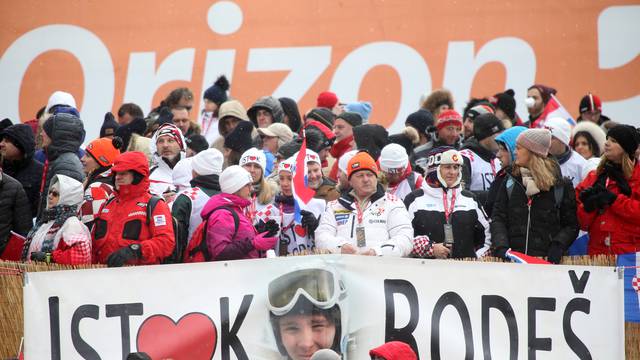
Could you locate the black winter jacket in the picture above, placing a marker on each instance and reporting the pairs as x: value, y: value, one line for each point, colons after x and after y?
x: 28, y: 171
x: 15, y: 214
x: 547, y: 222
x: 66, y: 137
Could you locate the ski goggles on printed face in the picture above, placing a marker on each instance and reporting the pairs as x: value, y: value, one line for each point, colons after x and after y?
x: 321, y: 287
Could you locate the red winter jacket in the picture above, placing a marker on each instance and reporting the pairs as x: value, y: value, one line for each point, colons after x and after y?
x: 394, y: 350
x: 123, y: 221
x: 620, y: 222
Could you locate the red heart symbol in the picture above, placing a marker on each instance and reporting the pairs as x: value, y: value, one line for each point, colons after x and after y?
x: 299, y: 230
x: 192, y: 337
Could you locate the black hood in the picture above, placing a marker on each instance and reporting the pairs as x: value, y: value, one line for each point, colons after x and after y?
x: 473, y: 145
x: 67, y: 134
x: 22, y: 137
x: 371, y: 138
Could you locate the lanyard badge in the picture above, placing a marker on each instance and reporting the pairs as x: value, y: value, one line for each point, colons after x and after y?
x: 360, y: 234
x: 447, y: 227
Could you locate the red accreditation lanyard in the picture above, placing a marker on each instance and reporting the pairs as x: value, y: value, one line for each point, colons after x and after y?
x: 447, y: 212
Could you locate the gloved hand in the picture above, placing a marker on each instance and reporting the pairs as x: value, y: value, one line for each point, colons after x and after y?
x: 589, y: 198
x: 309, y: 221
x: 263, y: 242
x: 272, y: 228
x: 422, y: 247
x: 501, y: 253
x: 41, y: 256
x: 605, y: 198
x: 555, y: 253
x: 124, y: 254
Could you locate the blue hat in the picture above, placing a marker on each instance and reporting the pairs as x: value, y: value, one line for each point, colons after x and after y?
x: 363, y: 108
x: 508, y: 138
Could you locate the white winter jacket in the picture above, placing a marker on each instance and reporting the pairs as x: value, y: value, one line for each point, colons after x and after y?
x: 385, y: 220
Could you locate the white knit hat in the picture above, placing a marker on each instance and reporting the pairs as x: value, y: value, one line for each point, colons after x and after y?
x: 60, y: 98
x: 393, y: 156
x: 594, y: 130
x: 208, y: 162
x: 255, y: 156
x: 560, y: 129
x: 287, y: 165
x: 234, y: 178
x: 344, y: 160
x: 311, y: 156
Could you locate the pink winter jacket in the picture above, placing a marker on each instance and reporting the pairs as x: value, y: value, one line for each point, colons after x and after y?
x: 220, y: 228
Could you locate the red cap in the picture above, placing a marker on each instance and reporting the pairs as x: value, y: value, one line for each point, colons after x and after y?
x: 449, y: 117
x: 327, y: 99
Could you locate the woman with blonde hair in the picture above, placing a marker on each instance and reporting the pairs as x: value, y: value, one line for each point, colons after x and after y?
x: 609, y: 197
x: 535, y: 209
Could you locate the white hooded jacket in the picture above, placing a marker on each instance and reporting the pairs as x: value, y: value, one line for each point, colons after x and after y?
x: 161, y: 175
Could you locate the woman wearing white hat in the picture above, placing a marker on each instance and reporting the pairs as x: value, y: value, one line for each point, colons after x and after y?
x: 230, y: 233
x: 262, y: 192
x: 447, y: 220
x: 400, y: 178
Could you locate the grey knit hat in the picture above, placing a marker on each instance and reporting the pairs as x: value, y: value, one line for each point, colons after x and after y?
x: 537, y: 141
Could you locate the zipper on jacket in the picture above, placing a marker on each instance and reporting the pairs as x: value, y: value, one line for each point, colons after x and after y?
x: 526, y: 243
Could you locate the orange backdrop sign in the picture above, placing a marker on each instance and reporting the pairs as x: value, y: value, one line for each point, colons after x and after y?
x: 386, y: 52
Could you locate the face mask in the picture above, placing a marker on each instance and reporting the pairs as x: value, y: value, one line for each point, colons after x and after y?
x: 530, y: 102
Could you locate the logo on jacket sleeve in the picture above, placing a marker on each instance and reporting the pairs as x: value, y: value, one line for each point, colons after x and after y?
x: 159, y: 220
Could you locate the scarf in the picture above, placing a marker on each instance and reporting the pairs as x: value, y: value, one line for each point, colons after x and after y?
x: 58, y: 214
x: 337, y: 150
x: 287, y: 203
x: 614, y: 172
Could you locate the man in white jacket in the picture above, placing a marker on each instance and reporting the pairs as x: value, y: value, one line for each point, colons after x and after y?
x: 168, y: 148
x: 366, y: 221
x: 572, y: 164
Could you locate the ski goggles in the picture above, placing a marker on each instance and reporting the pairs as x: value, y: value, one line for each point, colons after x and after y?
x: 321, y: 287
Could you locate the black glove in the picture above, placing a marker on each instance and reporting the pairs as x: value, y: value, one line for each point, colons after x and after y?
x: 309, y: 221
x: 41, y: 256
x: 272, y: 228
x: 589, y: 198
x: 605, y: 198
x: 122, y: 255
x: 555, y: 253
x: 501, y: 253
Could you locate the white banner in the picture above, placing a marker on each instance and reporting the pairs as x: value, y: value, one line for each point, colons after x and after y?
x: 274, y: 308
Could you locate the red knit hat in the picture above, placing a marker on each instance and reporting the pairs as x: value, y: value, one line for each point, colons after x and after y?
x: 327, y: 99
x: 103, y: 151
x: 361, y: 161
x: 449, y: 117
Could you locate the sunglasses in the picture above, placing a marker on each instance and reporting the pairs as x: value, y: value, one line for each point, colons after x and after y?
x: 54, y: 193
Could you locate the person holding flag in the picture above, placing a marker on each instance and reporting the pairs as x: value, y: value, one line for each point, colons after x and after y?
x: 294, y: 237
x: 366, y: 220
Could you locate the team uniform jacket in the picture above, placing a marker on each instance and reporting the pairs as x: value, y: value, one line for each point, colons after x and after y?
x: 404, y: 188
x: 616, y: 230
x: 96, y: 193
x: 479, y: 169
x: 385, y: 220
x: 291, y: 235
x: 123, y: 221
x: 573, y: 166
x: 471, y: 232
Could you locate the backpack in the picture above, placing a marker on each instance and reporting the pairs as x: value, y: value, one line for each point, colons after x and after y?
x: 197, y: 250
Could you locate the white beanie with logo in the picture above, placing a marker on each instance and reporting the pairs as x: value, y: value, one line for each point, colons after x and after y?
x: 560, y: 129
x: 255, y: 156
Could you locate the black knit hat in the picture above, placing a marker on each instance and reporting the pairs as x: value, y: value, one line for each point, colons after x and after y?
x: 352, y: 118
x: 371, y: 138
x: 22, y: 137
x: 627, y: 137
x: 218, y: 91
x: 421, y: 120
x: 486, y: 125
x: 109, y: 125
x: 5, y: 123
x: 290, y: 108
x: 506, y: 102
x: 197, y: 143
x: 239, y: 139
x: 165, y: 116
x: 323, y: 115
